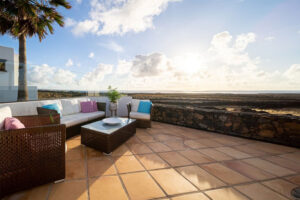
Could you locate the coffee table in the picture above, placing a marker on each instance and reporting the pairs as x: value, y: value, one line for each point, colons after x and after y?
x: 107, y: 138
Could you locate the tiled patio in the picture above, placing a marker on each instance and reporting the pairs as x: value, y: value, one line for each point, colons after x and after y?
x: 173, y: 162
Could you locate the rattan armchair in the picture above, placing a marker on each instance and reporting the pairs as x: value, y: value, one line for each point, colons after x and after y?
x: 141, y: 123
x: 32, y: 156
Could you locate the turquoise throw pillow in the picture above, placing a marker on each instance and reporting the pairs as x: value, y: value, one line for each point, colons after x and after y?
x: 53, y: 107
x: 145, y: 107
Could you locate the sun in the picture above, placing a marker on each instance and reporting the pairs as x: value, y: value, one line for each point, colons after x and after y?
x: 189, y: 63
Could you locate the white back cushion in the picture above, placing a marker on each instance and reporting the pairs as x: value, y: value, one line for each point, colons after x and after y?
x: 4, y: 112
x: 22, y: 108
x: 70, y: 106
x: 135, y: 105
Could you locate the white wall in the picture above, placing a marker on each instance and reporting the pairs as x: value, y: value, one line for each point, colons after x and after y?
x: 9, y: 79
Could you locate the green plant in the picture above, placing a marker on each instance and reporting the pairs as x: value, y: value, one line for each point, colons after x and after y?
x: 113, y: 94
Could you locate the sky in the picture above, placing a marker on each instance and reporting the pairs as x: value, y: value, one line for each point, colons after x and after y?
x: 165, y: 45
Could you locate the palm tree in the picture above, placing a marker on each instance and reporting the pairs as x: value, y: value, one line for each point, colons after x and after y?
x: 23, y: 18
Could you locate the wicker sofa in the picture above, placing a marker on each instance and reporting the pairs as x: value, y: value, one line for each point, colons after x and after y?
x: 32, y: 156
x: 143, y: 119
x: 72, y: 117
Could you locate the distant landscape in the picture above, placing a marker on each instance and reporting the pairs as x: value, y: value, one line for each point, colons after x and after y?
x: 273, y: 103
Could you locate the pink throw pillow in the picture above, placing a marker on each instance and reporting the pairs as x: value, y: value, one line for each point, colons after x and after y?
x: 87, y: 106
x: 12, y: 123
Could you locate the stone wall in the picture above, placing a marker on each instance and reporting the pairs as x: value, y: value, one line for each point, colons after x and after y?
x: 281, y: 129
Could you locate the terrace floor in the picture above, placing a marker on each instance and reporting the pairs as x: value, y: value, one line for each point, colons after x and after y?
x: 173, y: 162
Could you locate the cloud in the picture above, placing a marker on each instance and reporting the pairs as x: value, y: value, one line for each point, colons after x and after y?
x: 86, y: 26
x: 270, y: 38
x: 121, y: 16
x: 123, y: 67
x: 69, y: 63
x: 91, y: 55
x: 293, y: 72
x: 150, y: 65
x: 79, y: 1
x: 226, y: 65
x: 113, y: 46
x: 93, y: 78
x: 243, y: 40
x: 48, y: 77
x: 70, y: 22
x: 40, y: 74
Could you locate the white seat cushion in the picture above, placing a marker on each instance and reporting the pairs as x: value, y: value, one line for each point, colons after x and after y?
x: 78, y: 118
x: 4, y: 112
x: 137, y: 115
x: 95, y: 115
x: 71, y: 120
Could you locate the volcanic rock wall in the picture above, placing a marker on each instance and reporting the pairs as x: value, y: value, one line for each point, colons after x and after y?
x: 281, y: 129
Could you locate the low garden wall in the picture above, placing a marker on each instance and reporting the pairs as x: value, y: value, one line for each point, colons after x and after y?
x: 281, y: 129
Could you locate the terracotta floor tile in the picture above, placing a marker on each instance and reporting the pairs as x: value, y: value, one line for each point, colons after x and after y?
x: 248, y: 170
x: 195, y: 156
x: 233, y: 152
x: 284, y: 162
x: 194, y: 196
x: 176, y: 145
x: 175, y: 159
x: 93, y: 153
x: 216, y: 155
x: 225, y: 174
x: 292, y: 156
x: 140, y: 186
x: 266, y: 147
x: 69, y: 190
x: 126, y: 164
x: 133, y: 139
x: 122, y: 150
x: 152, y: 161
x: 194, y: 144
x: 74, y: 143
x: 159, y: 147
x: 146, y: 139
x: 75, y: 169
x: 75, y: 153
x: 137, y: 148
x: 294, y: 179
x: 259, y: 192
x: 226, y: 194
x: 164, y: 137
x: 106, y: 188
x: 210, y: 143
x: 172, y: 182
x: 281, y: 186
x: 101, y: 166
x: 269, y: 167
x: 250, y: 150
x: 36, y: 193
x: 200, y: 178
x: 78, y: 137
x: 226, y: 141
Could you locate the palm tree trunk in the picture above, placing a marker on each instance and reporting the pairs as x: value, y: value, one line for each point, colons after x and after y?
x: 22, y: 89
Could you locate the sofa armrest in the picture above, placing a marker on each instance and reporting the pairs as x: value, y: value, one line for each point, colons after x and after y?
x: 39, y: 120
x: 31, y: 157
x: 129, y: 109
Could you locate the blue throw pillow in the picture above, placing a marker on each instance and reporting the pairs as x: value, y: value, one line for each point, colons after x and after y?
x: 53, y: 107
x: 145, y: 107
